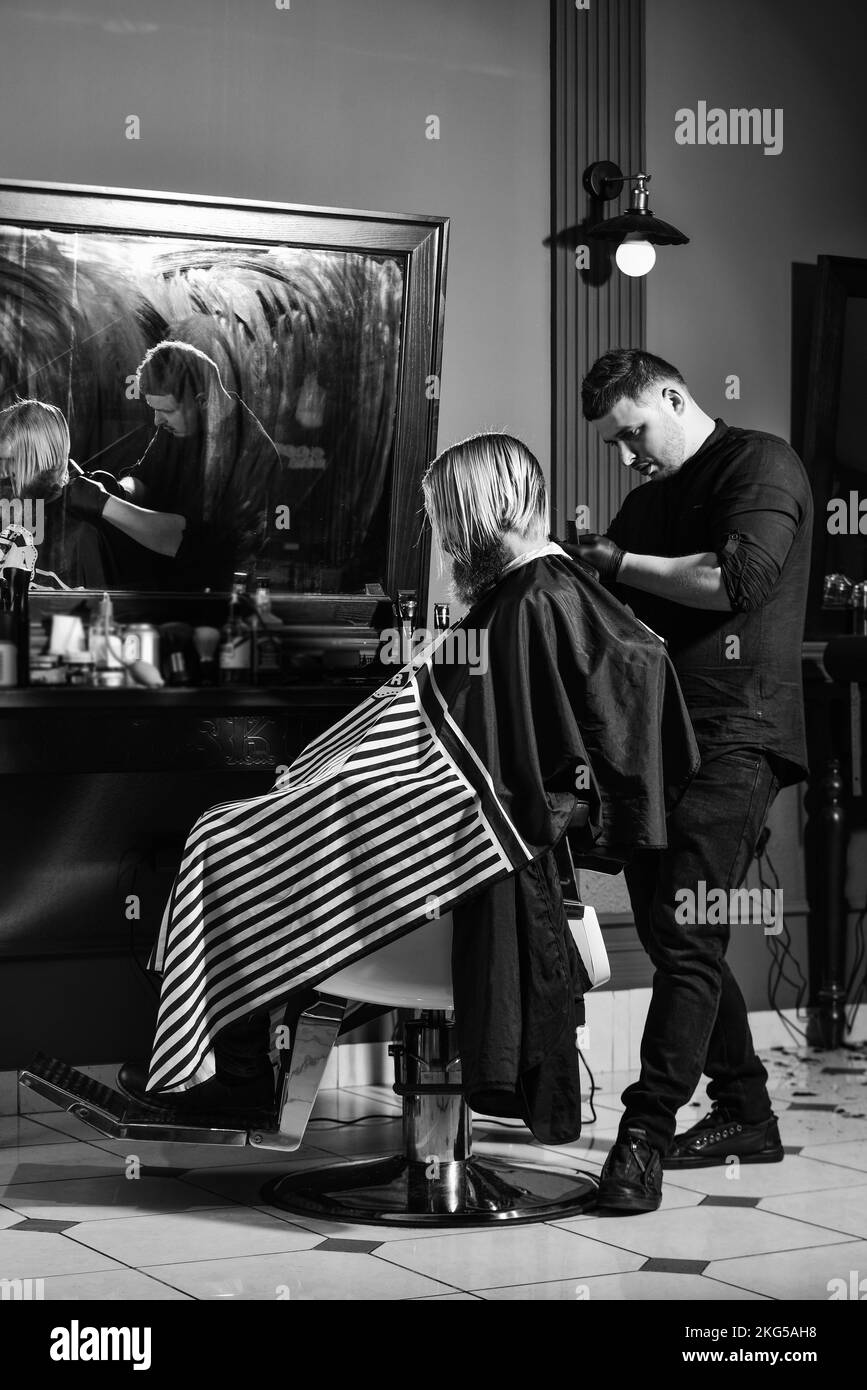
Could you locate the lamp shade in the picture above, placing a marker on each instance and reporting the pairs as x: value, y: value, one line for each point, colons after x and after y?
x: 642, y: 224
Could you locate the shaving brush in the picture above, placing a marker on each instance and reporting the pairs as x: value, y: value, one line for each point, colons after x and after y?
x: 206, y: 640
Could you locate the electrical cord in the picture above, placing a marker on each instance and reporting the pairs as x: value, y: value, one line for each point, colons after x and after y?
x: 593, y: 1089
x: 780, y: 948
x: 860, y: 952
x: 332, y: 1120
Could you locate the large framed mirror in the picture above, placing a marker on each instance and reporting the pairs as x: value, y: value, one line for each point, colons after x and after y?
x: 299, y: 461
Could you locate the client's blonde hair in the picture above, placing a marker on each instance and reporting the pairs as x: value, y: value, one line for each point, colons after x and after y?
x: 37, y: 436
x: 481, y: 487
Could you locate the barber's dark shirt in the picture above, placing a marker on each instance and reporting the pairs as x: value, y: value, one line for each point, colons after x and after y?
x: 74, y: 550
x: 744, y: 495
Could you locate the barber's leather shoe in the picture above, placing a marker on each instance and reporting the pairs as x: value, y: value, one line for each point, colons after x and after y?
x: 719, y: 1136
x: 253, y: 1095
x: 631, y: 1179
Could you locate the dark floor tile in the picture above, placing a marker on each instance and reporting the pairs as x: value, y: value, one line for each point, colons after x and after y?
x: 730, y: 1202
x: 658, y: 1266
x: 41, y: 1223
x: 350, y: 1247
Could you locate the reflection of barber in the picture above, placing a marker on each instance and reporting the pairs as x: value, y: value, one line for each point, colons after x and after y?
x: 714, y: 555
x: 210, y: 460
x: 34, y: 455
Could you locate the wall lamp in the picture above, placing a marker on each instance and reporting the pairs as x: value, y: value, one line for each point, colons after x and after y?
x: 636, y: 230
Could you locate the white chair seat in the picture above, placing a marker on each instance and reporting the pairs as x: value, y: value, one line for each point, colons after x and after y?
x: 415, y: 972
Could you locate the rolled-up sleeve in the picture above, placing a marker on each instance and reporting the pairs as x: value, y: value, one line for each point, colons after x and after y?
x: 755, y: 515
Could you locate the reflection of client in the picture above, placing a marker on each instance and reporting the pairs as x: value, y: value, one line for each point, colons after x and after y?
x: 34, y: 458
x: 210, y: 460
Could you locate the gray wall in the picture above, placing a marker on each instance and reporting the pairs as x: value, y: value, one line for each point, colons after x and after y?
x: 323, y: 104
x: 723, y: 304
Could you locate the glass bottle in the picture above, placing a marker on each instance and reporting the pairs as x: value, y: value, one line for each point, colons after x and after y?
x: 236, y: 639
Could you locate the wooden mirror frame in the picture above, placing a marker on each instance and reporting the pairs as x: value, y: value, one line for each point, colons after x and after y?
x: 418, y: 242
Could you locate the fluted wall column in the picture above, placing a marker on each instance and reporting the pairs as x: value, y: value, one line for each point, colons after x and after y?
x: 597, y: 112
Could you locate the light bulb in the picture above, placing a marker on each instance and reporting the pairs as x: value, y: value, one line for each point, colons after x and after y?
x: 635, y: 257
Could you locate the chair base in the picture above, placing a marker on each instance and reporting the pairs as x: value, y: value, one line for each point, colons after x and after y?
x: 398, y: 1191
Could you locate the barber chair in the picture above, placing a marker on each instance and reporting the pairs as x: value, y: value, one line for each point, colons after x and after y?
x: 436, y: 1180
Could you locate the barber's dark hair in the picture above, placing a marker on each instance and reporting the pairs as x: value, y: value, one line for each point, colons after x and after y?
x: 174, y: 368
x: 623, y: 374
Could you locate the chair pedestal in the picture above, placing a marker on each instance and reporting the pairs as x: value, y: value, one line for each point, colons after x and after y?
x: 436, y: 1180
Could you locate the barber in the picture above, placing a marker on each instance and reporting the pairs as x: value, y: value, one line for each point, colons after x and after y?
x: 98, y: 497
x: 714, y: 555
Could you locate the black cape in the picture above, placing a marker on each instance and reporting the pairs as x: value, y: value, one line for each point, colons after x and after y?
x: 579, y: 701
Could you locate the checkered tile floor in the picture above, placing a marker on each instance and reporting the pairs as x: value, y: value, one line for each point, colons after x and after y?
x: 92, y: 1221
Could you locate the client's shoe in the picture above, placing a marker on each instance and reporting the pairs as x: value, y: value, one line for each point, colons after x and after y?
x: 220, y: 1095
x: 719, y: 1136
x: 631, y: 1178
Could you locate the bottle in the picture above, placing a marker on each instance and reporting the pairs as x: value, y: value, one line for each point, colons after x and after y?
x: 406, y: 608
x: 8, y: 651
x: 236, y: 639
x: 266, y: 651
x: 106, y: 644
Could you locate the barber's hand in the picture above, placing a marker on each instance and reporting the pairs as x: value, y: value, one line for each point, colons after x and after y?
x: 85, y: 497
x: 602, y: 554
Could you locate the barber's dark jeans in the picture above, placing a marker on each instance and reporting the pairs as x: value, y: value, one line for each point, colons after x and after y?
x: 697, y: 1021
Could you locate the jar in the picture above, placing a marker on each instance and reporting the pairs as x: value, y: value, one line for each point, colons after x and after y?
x: 110, y: 678
x: 47, y: 670
x: 79, y: 668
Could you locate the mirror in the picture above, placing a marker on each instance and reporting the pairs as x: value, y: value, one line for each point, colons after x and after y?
x: 833, y: 452
x: 293, y: 440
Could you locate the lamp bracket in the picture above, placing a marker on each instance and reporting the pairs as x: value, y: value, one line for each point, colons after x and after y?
x: 605, y: 180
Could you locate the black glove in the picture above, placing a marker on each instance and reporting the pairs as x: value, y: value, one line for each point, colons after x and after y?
x: 605, y: 557
x: 85, y: 497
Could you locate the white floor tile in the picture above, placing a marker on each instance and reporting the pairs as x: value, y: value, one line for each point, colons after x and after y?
x: 705, y: 1233
x: 796, y: 1173
x: 820, y: 1127
x: 849, y: 1154
x: 518, y: 1255
x: 842, y: 1209
x: 622, y: 1287
x: 117, y: 1286
x: 99, y: 1199
x: 450, y: 1298
x: 51, y: 1162
x: 781, y: 1276
x: 17, y: 1131
x: 38, y: 1254
x: 303, y: 1276
x: 214, y: 1233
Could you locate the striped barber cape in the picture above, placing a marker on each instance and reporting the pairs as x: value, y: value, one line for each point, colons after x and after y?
x: 384, y: 821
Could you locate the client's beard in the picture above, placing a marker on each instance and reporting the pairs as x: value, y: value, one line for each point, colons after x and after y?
x: 486, y: 564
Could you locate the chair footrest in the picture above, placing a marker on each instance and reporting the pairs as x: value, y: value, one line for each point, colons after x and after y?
x: 112, y: 1114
